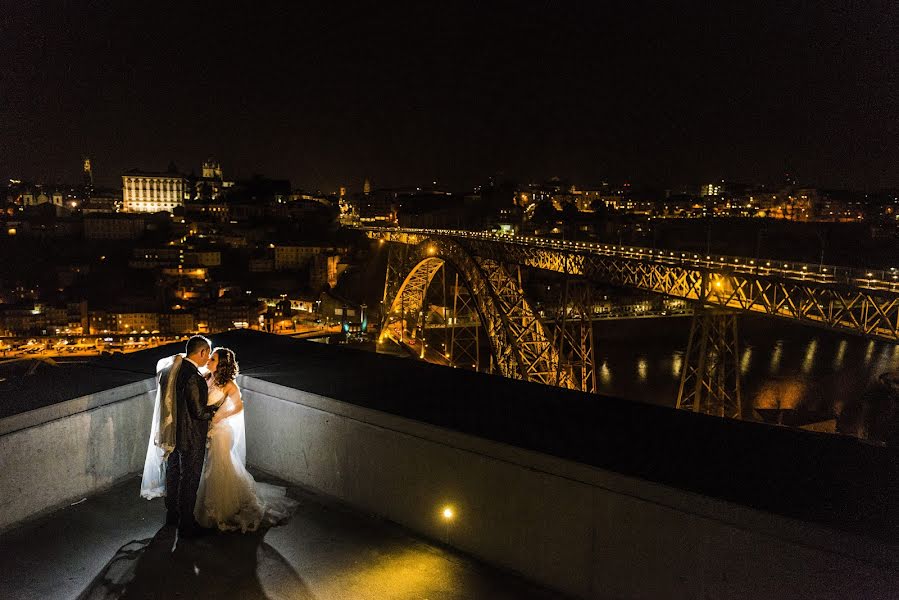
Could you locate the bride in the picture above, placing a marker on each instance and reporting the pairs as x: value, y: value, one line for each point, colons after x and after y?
x: 229, y: 498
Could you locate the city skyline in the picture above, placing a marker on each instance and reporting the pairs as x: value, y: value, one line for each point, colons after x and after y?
x: 110, y: 182
x: 329, y: 97
x: 469, y: 300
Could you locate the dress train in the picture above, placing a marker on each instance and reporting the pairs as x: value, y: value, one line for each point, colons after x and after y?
x: 229, y: 498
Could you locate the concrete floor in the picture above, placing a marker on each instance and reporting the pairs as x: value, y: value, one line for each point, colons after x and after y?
x: 114, y: 546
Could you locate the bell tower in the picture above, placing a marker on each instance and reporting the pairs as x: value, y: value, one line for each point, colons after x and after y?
x: 87, y: 176
x: 212, y: 169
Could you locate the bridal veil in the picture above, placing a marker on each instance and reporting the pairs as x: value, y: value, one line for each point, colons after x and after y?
x: 162, y: 430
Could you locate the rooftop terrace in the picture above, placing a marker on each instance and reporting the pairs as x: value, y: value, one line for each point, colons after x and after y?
x: 592, y: 496
x: 114, y: 545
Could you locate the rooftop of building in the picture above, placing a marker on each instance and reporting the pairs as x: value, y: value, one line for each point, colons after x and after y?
x: 113, y: 545
x: 586, y: 494
x: 836, y: 481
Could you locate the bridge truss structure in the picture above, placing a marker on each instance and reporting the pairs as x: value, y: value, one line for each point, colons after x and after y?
x: 852, y: 301
x: 520, y: 346
x: 710, y: 376
x: 573, y: 334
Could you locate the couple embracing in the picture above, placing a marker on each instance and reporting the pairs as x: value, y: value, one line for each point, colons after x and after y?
x: 196, y: 455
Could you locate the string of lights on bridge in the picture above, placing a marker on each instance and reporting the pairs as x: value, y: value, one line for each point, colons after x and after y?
x: 875, y: 279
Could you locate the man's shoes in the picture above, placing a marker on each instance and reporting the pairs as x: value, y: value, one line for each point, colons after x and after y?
x: 195, y: 532
x: 205, y: 531
x: 171, y: 517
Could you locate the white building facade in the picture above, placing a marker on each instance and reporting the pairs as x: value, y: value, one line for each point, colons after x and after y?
x: 152, y: 192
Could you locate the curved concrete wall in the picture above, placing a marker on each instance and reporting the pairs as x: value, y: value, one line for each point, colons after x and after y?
x: 582, y: 530
x: 585, y: 531
x: 67, y: 451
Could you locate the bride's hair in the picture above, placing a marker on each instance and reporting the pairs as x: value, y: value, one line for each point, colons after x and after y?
x: 227, y: 368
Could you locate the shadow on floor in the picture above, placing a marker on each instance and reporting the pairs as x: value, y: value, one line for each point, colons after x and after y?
x: 226, y: 565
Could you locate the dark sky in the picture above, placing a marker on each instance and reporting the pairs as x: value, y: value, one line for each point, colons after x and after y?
x: 325, y: 95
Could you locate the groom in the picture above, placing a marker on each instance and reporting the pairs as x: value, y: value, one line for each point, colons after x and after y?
x: 185, y: 463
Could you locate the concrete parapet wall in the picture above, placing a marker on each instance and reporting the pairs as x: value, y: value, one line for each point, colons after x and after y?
x: 67, y: 451
x: 589, y: 532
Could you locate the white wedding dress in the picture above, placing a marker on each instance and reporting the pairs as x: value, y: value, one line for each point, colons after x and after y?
x: 229, y: 498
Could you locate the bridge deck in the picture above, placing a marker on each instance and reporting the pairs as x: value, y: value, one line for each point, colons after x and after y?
x: 873, y: 279
x: 857, y: 301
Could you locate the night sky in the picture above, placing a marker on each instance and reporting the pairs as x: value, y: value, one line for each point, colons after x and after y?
x: 326, y: 95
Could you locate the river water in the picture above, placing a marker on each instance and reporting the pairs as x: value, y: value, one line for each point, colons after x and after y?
x: 783, y: 365
x: 795, y: 374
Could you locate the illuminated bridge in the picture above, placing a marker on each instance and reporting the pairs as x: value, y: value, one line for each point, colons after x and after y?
x: 522, y: 346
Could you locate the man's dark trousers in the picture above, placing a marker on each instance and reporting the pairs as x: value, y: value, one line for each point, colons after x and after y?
x: 182, y: 480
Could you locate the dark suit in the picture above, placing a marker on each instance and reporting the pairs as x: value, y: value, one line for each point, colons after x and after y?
x: 185, y: 463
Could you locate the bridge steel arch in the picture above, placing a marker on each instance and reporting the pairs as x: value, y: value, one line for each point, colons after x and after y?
x: 837, y: 298
x: 519, y: 343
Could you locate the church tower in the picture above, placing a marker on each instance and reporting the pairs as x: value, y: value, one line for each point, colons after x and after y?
x: 212, y: 169
x: 87, y: 176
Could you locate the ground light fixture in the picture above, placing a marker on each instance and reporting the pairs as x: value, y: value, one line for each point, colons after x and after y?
x: 447, y: 515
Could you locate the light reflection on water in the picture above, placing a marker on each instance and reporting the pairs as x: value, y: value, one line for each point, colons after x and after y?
x: 746, y: 360
x: 841, y: 354
x: 775, y: 357
x: 642, y: 368
x: 677, y: 362
x: 782, y: 365
x: 605, y: 376
x: 883, y: 357
x: 809, y: 361
x: 869, y: 352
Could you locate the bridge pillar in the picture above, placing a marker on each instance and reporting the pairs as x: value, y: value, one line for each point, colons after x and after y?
x: 464, y: 345
x: 573, y: 336
x: 710, y: 376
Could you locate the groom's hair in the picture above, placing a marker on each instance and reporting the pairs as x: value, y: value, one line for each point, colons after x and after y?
x: 196, y: 343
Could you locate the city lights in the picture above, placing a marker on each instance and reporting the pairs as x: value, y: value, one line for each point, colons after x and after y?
x: 463, y: 253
